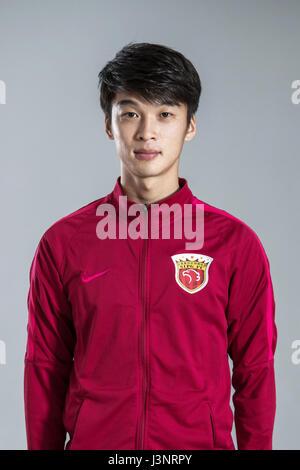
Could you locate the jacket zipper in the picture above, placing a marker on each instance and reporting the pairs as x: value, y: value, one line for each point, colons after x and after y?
x: 143, y: 341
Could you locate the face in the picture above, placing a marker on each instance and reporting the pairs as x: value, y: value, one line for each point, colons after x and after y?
x: 137, y: 124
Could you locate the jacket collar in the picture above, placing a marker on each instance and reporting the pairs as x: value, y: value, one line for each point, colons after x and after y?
x: 183, y: 196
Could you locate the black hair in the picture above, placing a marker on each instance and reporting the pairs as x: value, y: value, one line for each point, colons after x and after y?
x: 157, y: 73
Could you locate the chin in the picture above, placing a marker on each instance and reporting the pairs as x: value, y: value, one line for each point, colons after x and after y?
x: 150, y: 171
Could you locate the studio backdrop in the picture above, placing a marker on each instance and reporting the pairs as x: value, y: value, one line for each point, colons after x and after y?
x: 56, y: 156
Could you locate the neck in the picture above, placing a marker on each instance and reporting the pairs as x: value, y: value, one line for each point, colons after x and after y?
x: 150, y: 189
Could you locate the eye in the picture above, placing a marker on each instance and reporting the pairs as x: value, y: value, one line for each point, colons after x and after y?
x: 129, y: 112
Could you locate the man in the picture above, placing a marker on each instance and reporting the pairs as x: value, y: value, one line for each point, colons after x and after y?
x: 129, y: 336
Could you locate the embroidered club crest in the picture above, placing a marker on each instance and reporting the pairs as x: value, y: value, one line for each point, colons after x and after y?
x: 191, y: 271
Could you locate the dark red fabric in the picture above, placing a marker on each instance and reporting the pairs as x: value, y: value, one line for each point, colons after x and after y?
x: 123, y: 352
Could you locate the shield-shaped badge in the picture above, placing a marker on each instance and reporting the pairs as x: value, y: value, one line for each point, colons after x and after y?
x: 191, y: 271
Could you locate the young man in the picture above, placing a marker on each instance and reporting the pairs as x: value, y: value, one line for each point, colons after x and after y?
x: 129, y: 336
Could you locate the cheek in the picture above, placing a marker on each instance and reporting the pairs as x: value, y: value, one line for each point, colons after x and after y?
x: 122, y: 141
x: 173, y: 138
x: 126, y: 134
x: 174, y: 131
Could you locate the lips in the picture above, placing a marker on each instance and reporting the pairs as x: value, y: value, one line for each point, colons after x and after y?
x: 148, y: 154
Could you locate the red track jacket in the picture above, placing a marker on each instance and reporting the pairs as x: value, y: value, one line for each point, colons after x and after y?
x: 128, y: 339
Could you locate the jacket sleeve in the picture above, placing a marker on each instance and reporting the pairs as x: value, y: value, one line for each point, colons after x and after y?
x: 49, y: 352
x: 252, y: 338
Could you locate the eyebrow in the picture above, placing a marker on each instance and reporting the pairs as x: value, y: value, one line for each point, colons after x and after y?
x: 127, y: 101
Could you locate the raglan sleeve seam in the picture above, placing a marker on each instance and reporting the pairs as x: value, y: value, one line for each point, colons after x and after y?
x: 66, y: 251
x: 263, y: 283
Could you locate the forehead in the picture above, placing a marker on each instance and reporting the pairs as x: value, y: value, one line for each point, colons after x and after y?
x: 123, y: 98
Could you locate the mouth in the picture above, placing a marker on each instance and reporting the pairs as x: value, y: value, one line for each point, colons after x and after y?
x: 146, y: 154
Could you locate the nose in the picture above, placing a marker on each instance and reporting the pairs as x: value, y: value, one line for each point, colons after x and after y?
x: 147, y: 129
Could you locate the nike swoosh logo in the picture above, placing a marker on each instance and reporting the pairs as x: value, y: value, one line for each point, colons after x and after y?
x: 89, y: 278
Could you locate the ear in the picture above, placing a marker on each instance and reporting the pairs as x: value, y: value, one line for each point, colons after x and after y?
x: 191, y: 131
x: 108, y: 128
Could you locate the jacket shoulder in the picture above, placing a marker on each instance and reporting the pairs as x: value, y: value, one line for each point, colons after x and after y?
x: 59, y: 234
x: 232, y: 229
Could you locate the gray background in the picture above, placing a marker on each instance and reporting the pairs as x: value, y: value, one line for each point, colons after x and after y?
x: 56, y: 157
